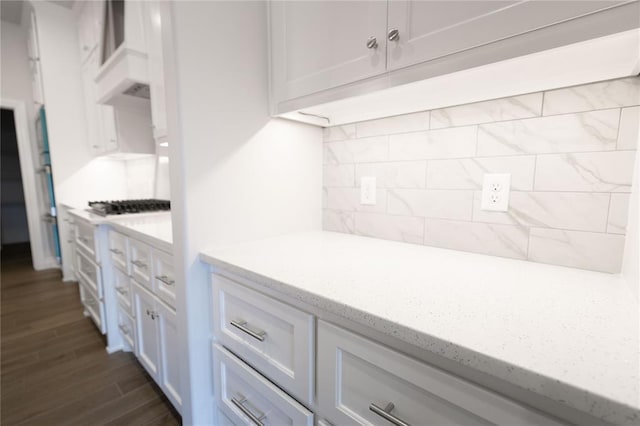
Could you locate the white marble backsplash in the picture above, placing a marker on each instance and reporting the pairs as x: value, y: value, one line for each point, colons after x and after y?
x: 570, y: 153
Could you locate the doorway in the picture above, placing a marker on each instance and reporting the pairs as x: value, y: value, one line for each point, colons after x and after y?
x: 14, y: 228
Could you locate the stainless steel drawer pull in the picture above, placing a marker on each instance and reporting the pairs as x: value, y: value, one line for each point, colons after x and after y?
x: 385, y: 413
x: 165, y: 279
x: 139, y: 263
x: 122, y: 291
x: 124, y: 329
x: 242, y: 326
x: 240, y: 404
x: 116, y: 251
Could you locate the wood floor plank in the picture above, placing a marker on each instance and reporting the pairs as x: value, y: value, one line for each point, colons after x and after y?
x: 54, y: 366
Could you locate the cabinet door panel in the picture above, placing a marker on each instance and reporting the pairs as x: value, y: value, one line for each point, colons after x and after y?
x: 357, y: 376
x: 432, y: 29
x: 164, y: 277
x: 141, y: 264
x: 169, y: 354
x: 283, y: 348
x: 318, y: 45
x: 146, y: 330
x: 119, y: 249
x: 241, y: 392
x: 153, y: 26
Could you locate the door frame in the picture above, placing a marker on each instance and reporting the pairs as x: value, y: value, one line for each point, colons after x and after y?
x: 27, y: 170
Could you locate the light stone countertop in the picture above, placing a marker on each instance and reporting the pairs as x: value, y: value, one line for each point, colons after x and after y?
x: 568, y: 334
x: 152, y: 228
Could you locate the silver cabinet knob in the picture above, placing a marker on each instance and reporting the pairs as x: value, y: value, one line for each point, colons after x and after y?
x: 393, y: 34
x: 372, y: 42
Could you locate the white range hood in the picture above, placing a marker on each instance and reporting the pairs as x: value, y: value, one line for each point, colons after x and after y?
x: 123, y: 79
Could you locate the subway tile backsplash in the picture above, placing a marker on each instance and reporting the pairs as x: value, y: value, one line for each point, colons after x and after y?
x: 570, y: 153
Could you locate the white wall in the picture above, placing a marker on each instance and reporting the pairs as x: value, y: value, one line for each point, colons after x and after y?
x: 631, y: 262
x: 236, y: 174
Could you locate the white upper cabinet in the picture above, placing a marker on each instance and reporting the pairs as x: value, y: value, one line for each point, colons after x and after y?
x: 318, y: 45
x: 101, y: 120
x: 34, y: 60
x: 326, y: 51
x: 420, y: 31
x: 153, y: 32
x: 90, y: 25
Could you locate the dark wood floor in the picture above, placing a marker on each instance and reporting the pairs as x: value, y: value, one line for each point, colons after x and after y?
x: 54, y: 367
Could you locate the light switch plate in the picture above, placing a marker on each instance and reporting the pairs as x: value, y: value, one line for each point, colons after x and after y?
x: 368, y: 190
x: 495, y: 192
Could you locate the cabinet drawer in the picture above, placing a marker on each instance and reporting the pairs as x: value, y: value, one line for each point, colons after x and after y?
x: 247, y: 398
x: 127, y: 328
x: 89, y: 272
x: 118, y: 250
x: 94, y: 308
x: 276, y: 339
x: 141, y: 267
x: 122, y: 286
x: 358, y: 379
x: 164, y: 277
x: 86, y: 240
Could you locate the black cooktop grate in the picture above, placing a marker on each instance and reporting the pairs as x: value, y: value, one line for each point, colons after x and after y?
x: 129, y: 206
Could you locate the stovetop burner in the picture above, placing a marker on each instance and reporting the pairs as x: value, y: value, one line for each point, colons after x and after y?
x: 105, y: 208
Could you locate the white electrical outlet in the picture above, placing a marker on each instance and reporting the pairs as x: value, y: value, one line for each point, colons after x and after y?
x: 495, y: 192
x: 368, y: 190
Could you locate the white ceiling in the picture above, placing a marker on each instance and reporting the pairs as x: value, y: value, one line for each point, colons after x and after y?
x: 11, y: 10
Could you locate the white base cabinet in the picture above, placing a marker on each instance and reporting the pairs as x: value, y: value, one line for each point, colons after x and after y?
x: 169, y: 354
x: 363, y: 382
x: 157, y: 342
x: 355, y: 380
x: 147, y: 330
x: 274, y: 338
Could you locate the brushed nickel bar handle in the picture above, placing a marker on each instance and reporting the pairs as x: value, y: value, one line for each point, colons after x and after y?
x: 165, y: 279
x: 385, y: 413
x: 121, y: 290
x: 240, y: 404
x: 115, y: 251
x: 242, y: 326
x: 139, y: 264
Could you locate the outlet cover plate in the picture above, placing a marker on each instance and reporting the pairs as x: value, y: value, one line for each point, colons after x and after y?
x: 368, y: 190
x: 495, y: 192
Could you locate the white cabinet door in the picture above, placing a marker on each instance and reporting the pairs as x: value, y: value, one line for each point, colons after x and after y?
x: 164, y: 277
x: 247, y: 398
x: 91, y: 108
x: 86, y: 30
x: 317, y: 45
x: 153, y: 26
x: 169, y: 355
x: 141, y: 264
x: 432, y: 29
x: 273, y: 337
x: 109, y: 127
x: 363, y: 382
x: 101, y: 120
x: 34, y: 61
x: 147, y: 330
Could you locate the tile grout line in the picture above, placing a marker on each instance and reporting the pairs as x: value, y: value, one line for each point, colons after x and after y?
x: 618, y: 133
x: 471, y: 221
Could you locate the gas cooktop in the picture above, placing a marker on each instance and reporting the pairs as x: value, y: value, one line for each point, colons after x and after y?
x: 105, y: 208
